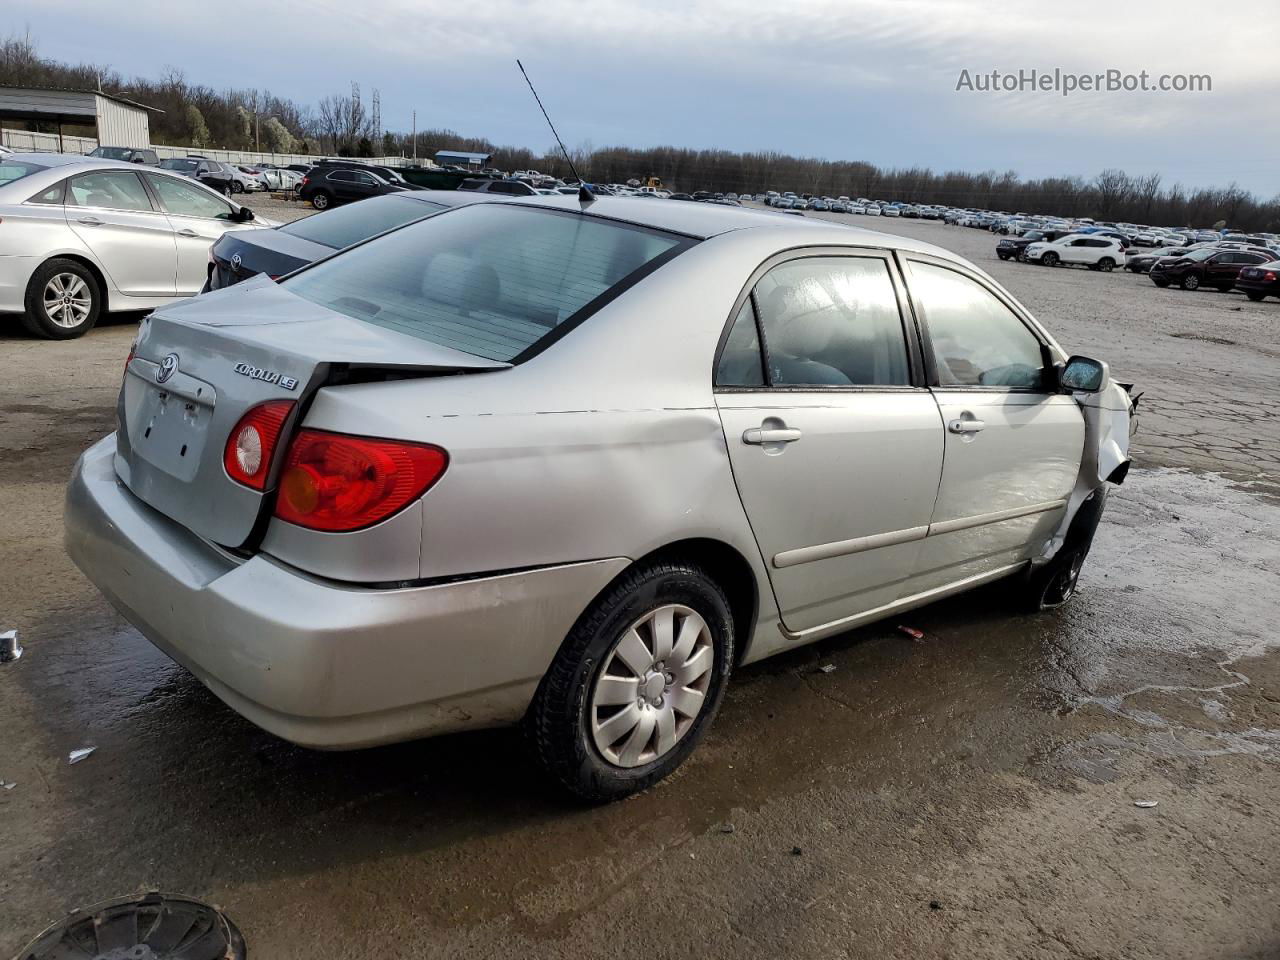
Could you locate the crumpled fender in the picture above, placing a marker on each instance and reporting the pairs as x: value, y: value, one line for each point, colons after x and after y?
x: 1109, y: 420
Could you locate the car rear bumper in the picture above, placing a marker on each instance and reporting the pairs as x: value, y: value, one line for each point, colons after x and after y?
x: 319, y: 663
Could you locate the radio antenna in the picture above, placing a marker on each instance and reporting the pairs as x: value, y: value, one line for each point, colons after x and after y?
x: 584, y: 193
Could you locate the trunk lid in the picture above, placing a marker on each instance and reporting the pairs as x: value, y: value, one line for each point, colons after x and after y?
x: 199, y: 365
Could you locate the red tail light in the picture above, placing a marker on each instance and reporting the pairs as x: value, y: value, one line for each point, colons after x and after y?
x: 1269, y: 276
x: 304, y: 181
x: 335, y: 482
x: 247, y: 457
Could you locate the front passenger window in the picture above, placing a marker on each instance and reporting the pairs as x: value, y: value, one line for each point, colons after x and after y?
x: 977, y: 341
x: 185, y: 199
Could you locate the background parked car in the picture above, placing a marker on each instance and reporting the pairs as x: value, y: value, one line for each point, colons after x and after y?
x: 510, y: 188
x: 241, y: 254
x: 214, y: 175
x: 127, y: 155
x: 1141, y: 262
x: 1013, y: 248
x: 1260, y: 280
x: 1095, y: 251
x: 324, y: 187
x: 1207, y: 267
x: 245, y: 179
x: 82, y: 235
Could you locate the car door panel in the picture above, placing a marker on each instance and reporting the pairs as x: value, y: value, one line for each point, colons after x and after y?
x: 836, y: 455
x: 135, y: 246
x: 1013, y: 449
x: 196, y: 219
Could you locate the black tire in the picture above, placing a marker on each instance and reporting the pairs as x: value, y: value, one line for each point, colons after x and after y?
x: 1161, y: 283
x: 1053, y: 584
x: 237, y: 186
x: 1003, y: 256
x: 1106, y: 264
x: 321, y: 200
x: 1190, y: 282
x: 558, y: 720
x: 1050, y: 259
x: 37, y: 318
x: 1254, y: 295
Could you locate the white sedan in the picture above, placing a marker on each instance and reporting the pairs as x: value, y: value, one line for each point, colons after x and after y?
x: 82, y: 236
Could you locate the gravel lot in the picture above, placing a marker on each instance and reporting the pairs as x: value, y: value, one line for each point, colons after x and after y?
x: 970, y: 795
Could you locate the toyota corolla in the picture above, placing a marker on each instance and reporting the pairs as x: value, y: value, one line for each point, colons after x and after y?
x: 572, y: 464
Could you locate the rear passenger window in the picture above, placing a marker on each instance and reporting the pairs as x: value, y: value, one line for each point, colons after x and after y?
x: 832, y: 321
x: 741, y: 364
x: 111, y: 190
x: 977, y: 341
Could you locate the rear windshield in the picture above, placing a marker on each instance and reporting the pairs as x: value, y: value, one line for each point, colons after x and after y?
x: 11, y: 170
x: 492, y: 280
x: 359, y: 221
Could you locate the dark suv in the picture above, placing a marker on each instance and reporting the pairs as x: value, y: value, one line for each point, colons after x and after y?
x: 209, y: 172
x: 326, y: 186
x: 511, y: 188
x: 127, y: 154
x: 1206, y: 267
x: 389, y: 174
x: 1012, y: 248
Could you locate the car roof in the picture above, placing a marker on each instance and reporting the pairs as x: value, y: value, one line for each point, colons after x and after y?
x: 67, y: 159
x: 703, y: 221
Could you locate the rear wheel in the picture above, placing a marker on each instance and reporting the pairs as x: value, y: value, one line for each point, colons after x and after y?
x: 1190, y: 282
x: 1050, y: 259
x: 636, y: 683
x: 63, y: 300
x: 1254, y: 295
x: 1160, y: 283
x: 237, y: 186
x: 321, y: 200
x: 1106, y: 264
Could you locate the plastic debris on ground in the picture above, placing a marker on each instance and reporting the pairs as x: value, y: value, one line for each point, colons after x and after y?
x: 10, y: 648
x: 77, y: 755
x: 827, y: 668
x: 911, y: 632
x: 1145, y: 804
x: 7, y: 784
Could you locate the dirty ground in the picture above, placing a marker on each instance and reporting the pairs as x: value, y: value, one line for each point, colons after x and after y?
x: 976, y: 792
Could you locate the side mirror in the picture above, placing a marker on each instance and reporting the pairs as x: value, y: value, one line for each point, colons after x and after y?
x: 245, y: 215
x: 1083, y: 374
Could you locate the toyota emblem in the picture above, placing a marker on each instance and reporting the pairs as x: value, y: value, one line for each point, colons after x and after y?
x: 168, y: 367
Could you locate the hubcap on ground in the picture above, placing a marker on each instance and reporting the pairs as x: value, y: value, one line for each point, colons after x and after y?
x: 67, y: 300
x: 652, y: 686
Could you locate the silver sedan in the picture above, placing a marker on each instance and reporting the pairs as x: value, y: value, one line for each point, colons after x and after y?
x: 571, y: 464
x: 82, y: 236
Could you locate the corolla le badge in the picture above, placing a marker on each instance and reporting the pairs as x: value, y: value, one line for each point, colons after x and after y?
x: 168, y: 367
x: 265, y: 375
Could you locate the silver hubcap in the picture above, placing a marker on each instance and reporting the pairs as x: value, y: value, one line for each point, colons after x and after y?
x: 652, y: 686
x: 67, y: 300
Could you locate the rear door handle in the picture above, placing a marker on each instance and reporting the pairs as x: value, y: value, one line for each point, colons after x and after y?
x: 187, y: 232
x: 770, y: 435
x: 965, y: 426
x: 90, y: 221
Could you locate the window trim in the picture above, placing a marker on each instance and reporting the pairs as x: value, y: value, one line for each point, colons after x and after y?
x: 68, y: 198
x: 61, y: 186
x: 1047, y: 350
x: 910, y: 333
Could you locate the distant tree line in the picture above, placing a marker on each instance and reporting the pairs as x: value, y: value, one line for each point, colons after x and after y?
x: 199, y: 116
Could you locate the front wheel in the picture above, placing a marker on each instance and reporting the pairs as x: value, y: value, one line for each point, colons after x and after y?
x: 1050, y: 259
x: 1190, y: 282
x: 63, y: 300
x: 1055, y: 583
x: 1254, y: 295
x: 636, y: 683
x: 320, y: 200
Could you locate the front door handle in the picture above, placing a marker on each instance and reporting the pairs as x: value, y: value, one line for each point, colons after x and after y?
x: 187, y: 232
x: 760, y: 435
x: 965, y: 426
x: 90, y: 221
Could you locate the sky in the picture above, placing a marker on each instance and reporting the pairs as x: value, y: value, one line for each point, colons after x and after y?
x: 871, y: 80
